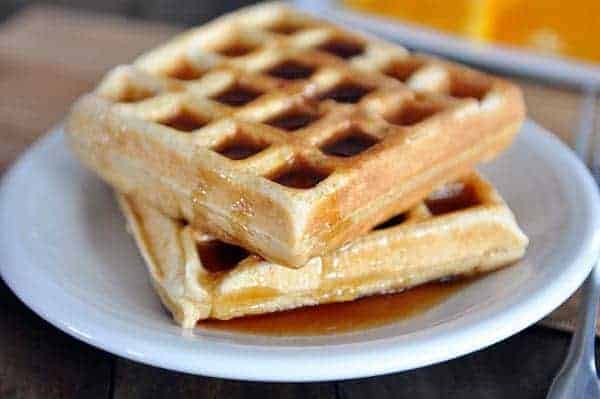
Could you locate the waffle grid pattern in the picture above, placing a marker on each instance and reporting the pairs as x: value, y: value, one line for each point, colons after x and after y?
x: 275, y: 89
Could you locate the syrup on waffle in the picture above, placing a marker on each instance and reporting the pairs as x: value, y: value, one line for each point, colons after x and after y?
x: 287, y: 135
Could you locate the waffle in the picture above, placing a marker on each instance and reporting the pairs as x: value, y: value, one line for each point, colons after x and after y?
x: 464, y: 228
x: 287, y: 135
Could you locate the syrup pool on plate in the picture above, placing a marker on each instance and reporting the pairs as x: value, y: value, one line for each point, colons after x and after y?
x: 365, y: 313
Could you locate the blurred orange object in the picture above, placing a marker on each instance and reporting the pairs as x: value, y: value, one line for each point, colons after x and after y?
x: 450, y: 16
x: 550, y: 26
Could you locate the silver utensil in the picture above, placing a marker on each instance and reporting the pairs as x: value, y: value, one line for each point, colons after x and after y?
x: 578, y: 378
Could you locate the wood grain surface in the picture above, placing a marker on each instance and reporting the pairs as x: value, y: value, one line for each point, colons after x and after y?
x: 49, y: 56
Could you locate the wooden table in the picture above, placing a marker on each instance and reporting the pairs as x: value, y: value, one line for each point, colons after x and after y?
x: 50, y: 56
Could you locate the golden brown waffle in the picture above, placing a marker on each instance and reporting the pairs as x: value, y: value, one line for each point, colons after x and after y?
x: 288, y: 135
x: 464, y: 228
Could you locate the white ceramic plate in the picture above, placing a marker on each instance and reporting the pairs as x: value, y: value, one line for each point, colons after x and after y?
x: 499, y: 57
x: 64, y: 251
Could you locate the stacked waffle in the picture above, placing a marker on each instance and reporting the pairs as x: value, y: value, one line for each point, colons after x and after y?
x: 269, y: 160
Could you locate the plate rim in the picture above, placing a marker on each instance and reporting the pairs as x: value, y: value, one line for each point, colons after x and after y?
x: 376, y: 357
